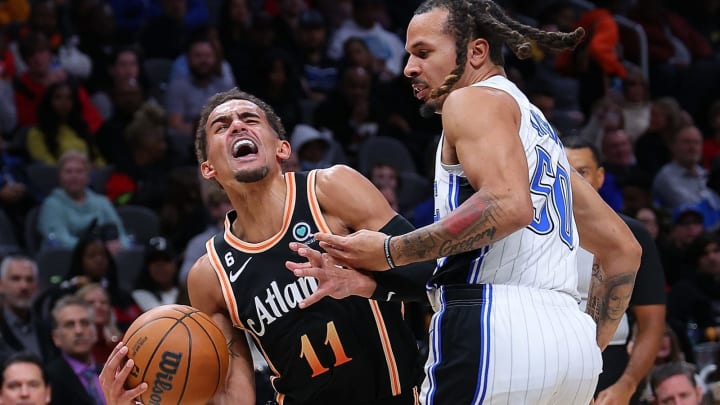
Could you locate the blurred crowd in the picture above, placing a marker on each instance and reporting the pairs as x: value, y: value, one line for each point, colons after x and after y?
x: 101, y: 200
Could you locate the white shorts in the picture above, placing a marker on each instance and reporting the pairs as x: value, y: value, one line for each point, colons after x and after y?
x: 499, y: 344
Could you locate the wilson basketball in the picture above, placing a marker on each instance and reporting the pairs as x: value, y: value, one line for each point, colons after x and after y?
x: 179, y: 352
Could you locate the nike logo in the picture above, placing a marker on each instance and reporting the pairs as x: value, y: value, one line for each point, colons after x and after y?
x: 234, y: 276
x: 390, y: 294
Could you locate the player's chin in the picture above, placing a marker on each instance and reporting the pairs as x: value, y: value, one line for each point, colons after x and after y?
x: 251, y: 175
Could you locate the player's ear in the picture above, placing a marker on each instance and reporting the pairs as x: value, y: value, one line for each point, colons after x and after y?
x: 478, y: 51
x: 284, y: 150
x: 207, y: 170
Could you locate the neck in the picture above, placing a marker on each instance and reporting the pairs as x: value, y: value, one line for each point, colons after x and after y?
x: 259, y: 206
x: 22, y: 313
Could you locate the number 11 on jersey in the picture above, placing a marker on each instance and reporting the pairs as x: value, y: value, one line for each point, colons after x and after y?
x: 333, y: 340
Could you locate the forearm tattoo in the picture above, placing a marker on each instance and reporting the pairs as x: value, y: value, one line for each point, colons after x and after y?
x: 470, y: 226
x: 231, y: 347
x: 608, y: 297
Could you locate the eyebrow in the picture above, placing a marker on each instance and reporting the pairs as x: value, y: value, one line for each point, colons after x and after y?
x: 416, y: 44
x: 225, y: 117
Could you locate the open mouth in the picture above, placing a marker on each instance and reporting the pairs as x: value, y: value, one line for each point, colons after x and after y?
x: 243, y: 147
x: 420, y: 91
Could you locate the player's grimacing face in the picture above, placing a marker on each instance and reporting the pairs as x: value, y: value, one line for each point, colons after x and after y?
x: 432, y: 54
x: 241, y: 144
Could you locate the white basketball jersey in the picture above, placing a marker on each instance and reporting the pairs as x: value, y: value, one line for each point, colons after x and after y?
x: 541, y: 255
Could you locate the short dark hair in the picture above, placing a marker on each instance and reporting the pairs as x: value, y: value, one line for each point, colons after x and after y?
x: 576, y: 142
x: 221, y: 98
x: 67, y: 301
x: 664, y: 371
x: 23, y: 357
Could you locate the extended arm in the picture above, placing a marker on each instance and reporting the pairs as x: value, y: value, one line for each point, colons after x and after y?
x: 617, y: 254
x: 205, y: 295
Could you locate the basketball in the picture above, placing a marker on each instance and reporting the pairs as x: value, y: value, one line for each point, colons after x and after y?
x: 179, y: 352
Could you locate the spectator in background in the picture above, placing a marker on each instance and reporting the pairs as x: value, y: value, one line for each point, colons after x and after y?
x: 356, y: 53
x: 319, y: 73
x: 17, y: 196
x: 674, y: 383
x: 386, y: 178
x: 606, y: 116
x: 217, y: 204
x: 21, y: 327
x: 185, y: 95
x: 653, y: 146
x: 24, y: 381
x: 687, y: 224
x: 352, y: 113
x: 109, y: 334
x: 147, y: 166
x: 61, y: 127
x: 164, y: 34
x: 315, y: 149
x: 234, y: 27
x: 195, y: 14
x: 278, y: 83
x: 636, y: 103
x: 596, y: 63
x: 126, y: 99
x: 123, y: 70
x: 73, y: 375
x: 32, y: 84
x: 70, y: 210
x: 384, y: 45
x: 650, y: 218
x: 680, y: 58
x: 92, y: 262
x: 618, y: 162
x: 180, y: 67
x: 683, y: 181
x: 693, y: 299
x: 158, y: 282
x: 711, y: 144
x: 286, y: 21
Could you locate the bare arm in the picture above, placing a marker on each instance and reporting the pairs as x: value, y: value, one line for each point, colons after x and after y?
x: 617, y: 254
x: 205, y: 295
x: 486, y: 142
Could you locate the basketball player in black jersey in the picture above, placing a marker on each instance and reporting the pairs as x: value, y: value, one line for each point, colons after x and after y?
x: 351, y: 351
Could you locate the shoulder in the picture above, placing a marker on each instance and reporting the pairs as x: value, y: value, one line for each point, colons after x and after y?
x: 337, y: 177
x: 470, y: 98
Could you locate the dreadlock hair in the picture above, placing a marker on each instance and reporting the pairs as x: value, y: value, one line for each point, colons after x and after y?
x: 470, y: 19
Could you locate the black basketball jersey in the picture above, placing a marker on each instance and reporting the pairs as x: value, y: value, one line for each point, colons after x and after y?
x: 351, y: 351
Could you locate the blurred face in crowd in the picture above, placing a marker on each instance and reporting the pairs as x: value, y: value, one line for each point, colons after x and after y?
x: 95, y: 260
x: 75, y: 333
x: 127, y: 97
x: 19, y: 284
x: 23, y: 384
x: 175, y: 8
x: 634, y: 88
x: 649, y: 220
x: 74, y: 176
x: 162, y: 270
x: 617, y: 148
x: 126, y: 68
x: 62, y: 101
x: 686, y: 228
x: 384, y: 176
x: 358, y: 54
x: 239, y: 12
x: 201, y: 59
x: 39, y: 62
x: 687, y: 146
x: 709, y: 262
x: 98, y: 299
x: 356, y: 85
x: 678, y: 390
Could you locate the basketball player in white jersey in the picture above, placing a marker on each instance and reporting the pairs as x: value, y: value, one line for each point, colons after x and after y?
x: 507, y: 328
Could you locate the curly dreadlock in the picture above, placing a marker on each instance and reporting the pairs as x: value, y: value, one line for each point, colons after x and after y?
x: 468, y: 19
